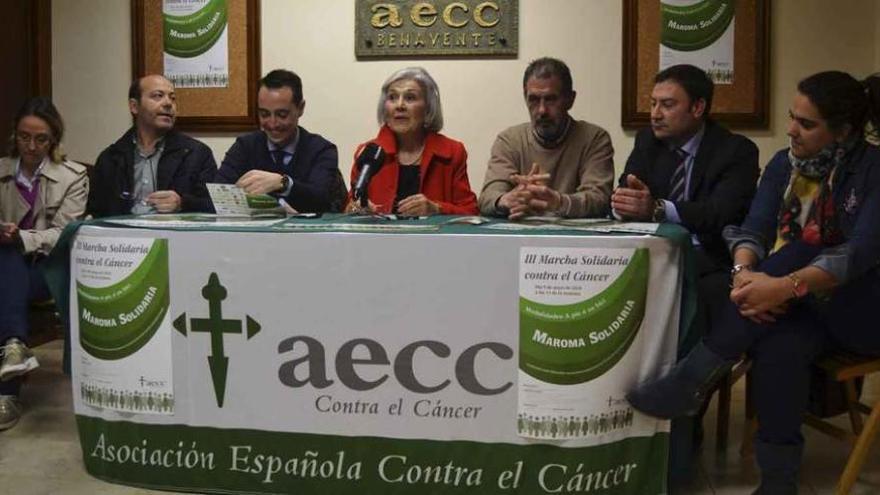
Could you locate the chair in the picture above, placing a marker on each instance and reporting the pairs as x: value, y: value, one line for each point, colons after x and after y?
x: 44, y: 322
x: 845, y: 368
x: 724, y: 387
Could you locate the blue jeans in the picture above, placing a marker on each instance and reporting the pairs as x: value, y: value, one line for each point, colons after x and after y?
x: 22, y: 283
x: 783, y: 351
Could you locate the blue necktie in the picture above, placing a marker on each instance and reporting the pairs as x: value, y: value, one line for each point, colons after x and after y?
x: 677, y: 183
x: 278, y: 155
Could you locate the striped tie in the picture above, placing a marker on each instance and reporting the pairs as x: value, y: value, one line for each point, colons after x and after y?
x: 676, y: 184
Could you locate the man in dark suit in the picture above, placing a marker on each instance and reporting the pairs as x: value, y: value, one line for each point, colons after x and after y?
x: 283, y: 159
x: 687, y: 169
x: 152, y: 168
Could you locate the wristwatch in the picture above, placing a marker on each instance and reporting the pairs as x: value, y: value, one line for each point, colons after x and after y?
x: 799, y: 287
x: 659, y: 215
x: 285, y: 182
x: 738, y: 268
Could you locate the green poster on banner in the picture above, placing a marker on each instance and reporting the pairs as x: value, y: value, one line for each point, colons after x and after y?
x: 122, y: 295
x: 700, y: 33
x: 580, y: 310
x: 194, y: 35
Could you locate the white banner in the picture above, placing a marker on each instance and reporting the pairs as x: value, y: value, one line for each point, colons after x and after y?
x: 371, y: 336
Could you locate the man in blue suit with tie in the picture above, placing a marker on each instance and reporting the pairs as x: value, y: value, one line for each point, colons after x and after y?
x: 282, y: 158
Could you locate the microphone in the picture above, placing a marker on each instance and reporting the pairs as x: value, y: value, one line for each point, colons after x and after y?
x: 368, y: 163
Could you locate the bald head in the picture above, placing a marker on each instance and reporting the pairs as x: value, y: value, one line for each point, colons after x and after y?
x: 153, y: 103
x: 136, y: 89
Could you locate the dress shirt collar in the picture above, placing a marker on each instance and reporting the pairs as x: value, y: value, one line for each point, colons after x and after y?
x: 288, y: 149
x: 24, y: 180
x: 158, y: 148
x: 693, y: 144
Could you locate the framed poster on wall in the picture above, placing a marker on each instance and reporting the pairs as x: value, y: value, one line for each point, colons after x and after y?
x: 210, y: 49
x: 729, y: 39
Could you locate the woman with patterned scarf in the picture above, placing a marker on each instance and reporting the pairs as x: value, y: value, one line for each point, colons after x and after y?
x: 806, y: 272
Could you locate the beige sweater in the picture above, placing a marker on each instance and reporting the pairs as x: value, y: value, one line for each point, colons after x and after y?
x: 581, y: 168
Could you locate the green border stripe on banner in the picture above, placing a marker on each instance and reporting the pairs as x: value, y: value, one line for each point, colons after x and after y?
x: 202, y: 459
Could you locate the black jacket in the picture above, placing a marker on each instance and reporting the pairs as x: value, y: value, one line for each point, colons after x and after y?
x: 184, y: 167
x: 723, y: 181
x: 314, y: 169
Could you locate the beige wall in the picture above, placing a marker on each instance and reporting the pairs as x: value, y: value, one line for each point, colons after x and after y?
x: 847, y: 43
x: 91, y: 71
x: 876, y: 37
x: 92, y: 61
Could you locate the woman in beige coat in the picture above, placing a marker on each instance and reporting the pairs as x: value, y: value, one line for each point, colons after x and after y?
x: 40, y: 193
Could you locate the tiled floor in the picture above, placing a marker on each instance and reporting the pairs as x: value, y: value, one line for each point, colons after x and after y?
x: 41, y: 454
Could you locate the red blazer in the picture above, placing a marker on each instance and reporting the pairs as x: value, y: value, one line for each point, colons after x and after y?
x: 442, y: 175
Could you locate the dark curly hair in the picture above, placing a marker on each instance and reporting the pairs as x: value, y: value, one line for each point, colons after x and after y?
x: 843, y: 100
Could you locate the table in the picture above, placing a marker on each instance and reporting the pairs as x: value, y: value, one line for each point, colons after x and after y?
x: 318, y: 355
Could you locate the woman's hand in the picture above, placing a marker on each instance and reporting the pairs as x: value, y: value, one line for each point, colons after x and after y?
x: 417, y: 205
x: 743, y: 278
x: 354, y: 206
x: 760, y: 297
x: 9, y: 233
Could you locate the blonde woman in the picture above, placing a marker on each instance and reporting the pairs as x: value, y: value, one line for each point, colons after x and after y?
x: 40, y: 193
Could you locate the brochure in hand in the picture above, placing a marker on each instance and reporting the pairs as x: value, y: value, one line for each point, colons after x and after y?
x: 231, y: 201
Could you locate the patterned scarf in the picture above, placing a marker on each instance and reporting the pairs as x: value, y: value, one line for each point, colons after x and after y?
x: 807, y: 211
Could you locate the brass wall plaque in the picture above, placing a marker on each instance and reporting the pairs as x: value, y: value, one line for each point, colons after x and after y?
x: 408, y: 28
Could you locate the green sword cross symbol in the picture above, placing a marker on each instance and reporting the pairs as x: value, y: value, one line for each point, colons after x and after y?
x: 215, y: 325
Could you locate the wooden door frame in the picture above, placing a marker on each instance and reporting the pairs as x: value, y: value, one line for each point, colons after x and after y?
x: 40, y: 45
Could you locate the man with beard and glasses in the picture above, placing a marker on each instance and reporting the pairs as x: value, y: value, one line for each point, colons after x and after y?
x: 152, y: 168
x: 554, y: 164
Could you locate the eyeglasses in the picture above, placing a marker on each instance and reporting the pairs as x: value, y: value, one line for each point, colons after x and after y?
x: 26, y: 139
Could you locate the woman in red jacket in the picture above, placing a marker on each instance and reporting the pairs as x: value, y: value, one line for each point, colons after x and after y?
x: 425, y: 172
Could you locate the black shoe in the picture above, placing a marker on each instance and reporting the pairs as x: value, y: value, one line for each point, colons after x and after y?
x: 684, y: 389
x: 779, y: 466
